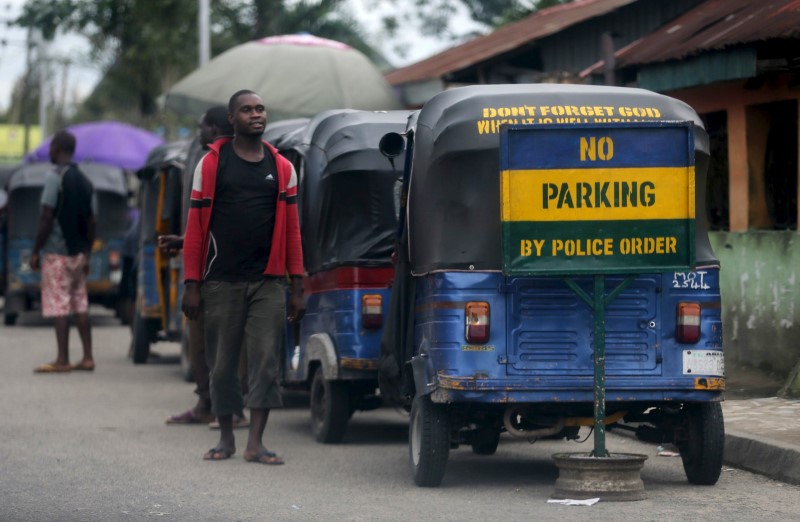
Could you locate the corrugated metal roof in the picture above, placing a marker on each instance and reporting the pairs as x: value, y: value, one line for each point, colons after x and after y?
x: 713, y: 25
x: 538, y: 25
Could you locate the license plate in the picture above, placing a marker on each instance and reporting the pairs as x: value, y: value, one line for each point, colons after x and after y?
x: 703, y: 362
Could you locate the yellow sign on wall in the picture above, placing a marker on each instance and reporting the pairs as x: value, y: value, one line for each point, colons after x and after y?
x: 12, y: 140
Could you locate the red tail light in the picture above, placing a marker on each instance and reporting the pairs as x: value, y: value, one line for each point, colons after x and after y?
x: 477, y: 320
x: 371, y: 311
x: 113, y: 260
x: 687, y: 329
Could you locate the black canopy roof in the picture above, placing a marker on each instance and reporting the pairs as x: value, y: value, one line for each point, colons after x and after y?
x: 104, y: 178
x: 276, y: 131
x: 172, y: 154
x: 350, y: 192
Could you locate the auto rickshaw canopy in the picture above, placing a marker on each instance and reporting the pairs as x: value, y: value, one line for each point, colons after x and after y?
x: 24, y: 194
x: 454, y: 193
x: 350, y: 191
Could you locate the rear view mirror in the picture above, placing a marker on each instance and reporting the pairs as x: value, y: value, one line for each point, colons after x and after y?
x: 392, y: 144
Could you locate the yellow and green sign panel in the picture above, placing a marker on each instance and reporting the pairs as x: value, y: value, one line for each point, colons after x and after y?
x: 589, y: 199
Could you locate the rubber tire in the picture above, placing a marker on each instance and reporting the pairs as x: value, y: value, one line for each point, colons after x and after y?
x: 487, y: 447
x: 10, y: 319
x: 428, y: 441
x: 141, y: 340
x: 703, y: 453
x: 330, y: 408
x: 186, y: 363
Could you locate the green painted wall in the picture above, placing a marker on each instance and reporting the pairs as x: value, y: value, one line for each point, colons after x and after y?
x: 760, y: 297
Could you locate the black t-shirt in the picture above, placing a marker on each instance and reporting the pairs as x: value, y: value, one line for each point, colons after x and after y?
x: 73, y: 210
x: 243, y: 217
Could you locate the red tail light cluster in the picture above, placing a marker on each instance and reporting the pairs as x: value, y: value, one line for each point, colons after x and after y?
x: 113, y: 260
x: 371, y: 311
x: 476, y: 315
x: 687, y: 329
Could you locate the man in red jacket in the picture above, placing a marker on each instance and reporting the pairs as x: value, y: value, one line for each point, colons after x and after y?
x: 242, y: 240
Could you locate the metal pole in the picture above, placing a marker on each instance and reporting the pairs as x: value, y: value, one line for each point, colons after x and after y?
x: 43, y: 73
x: 203, y: 29
x: 609, y: 60
x: 599, y: 367
x: 26, y: 119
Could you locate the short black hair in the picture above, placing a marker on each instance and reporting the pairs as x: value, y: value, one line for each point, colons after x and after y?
x: 64, y: 141
x: 218, y: 117
x: 236, y: 95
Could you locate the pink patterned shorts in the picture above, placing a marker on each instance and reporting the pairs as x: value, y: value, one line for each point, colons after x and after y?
x: 64, y: 285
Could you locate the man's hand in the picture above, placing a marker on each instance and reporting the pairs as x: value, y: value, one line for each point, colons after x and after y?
x: 34, y: 261
x: 297, y: 305
x: 191, y: 300
x: 170, y: 244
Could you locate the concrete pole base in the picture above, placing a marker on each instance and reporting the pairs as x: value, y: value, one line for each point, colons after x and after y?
x: 613, y: 478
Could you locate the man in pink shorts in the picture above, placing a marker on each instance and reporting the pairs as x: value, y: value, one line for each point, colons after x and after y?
x: 65, y: 236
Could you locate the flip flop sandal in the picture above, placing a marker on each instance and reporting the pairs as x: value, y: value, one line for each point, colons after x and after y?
x: 218, y: 454
x: 51, y: 368
x: 272, y: 458
x: 80, y: 367
x: 188, y: 417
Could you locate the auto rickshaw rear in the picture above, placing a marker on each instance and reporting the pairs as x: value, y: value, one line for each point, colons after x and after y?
x: 492, y: 351
x: 159, y: 281
x: 24, y: 194
x: 349, y: 212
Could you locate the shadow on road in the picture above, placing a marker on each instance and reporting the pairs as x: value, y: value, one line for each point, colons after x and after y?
x: 100, y: 318
x: 362, y: 430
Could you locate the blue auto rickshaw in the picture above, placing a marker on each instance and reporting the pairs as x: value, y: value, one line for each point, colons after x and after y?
x: 105, y: 270
x: 349, y: 214
x: 5, y: 173
x: 475, y: 349
x: 159, y: 287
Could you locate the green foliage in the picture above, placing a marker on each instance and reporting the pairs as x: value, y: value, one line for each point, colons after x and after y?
x: 434, y: 18
x: 496, y: 13
x: 145, y: 46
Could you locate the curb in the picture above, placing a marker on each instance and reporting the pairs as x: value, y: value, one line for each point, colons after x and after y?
x: 766, y: 457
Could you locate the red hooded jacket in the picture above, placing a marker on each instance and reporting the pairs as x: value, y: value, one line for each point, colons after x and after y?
x: 286, y: 252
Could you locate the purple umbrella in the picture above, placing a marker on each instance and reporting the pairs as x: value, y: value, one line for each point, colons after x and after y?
x: 109, y: 142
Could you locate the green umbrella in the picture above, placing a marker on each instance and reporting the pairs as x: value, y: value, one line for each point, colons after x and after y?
x: 296, y: 75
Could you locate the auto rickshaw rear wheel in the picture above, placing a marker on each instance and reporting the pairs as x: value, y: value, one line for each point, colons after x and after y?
x: 428, y: 441
x: 485, y: 441
x: 10, y: 319
x: 330, y: 408
x: 186, y: 363
x: 141, y: 340
x: 702, y: 452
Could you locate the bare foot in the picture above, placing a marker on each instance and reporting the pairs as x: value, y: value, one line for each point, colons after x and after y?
x: 219, y: 452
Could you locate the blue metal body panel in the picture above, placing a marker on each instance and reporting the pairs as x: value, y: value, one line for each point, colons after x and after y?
x: 540, y: 346
x: 147, y: 283
x: 337, y: 313
x: 20, y: 276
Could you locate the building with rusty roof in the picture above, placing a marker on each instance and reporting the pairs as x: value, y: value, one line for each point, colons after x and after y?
x: 737, y: 63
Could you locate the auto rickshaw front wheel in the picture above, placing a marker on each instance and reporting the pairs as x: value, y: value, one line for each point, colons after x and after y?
x: 330, y: 408
x: 702, y: 452
x: 141, y: 339
x: 428, y: 441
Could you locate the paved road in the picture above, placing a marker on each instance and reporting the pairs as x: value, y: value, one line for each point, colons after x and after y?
x: 95, y: 447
